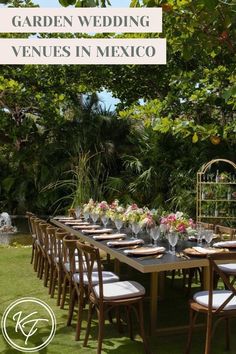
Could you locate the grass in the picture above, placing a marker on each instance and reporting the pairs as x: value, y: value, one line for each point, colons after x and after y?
x: 18, y: 279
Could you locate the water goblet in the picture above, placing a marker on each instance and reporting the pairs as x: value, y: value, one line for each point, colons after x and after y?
x: 119, y: 224
x: 208, y: 237
x: 155, y: 234
x: 105, y: 220
x: 86, y: 215
x: 199, y: 233
x: 94, y: 217
x: 78, y: 212
x: 136, y: 228
x: 173, y: 239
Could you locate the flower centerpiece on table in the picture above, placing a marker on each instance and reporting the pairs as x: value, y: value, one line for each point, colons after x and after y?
x: 177, y: 222
x: 135, y: 214
x: 102, y: 208
x: 151, y: 218
x: 90, y: 206
x: 116, y: 211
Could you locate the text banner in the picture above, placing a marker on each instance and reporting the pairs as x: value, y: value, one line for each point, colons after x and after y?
x: 83, y: 20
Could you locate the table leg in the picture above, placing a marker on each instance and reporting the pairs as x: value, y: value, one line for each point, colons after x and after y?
x: 206, y: 278
x: 153, y: 301
x: 116, y: 266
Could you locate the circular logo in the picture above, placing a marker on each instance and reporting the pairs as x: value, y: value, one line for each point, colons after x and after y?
x: 28, y: 324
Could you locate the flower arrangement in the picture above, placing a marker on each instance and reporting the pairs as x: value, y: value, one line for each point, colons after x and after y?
x: 102, y: 208
x: 135, y: 214
x: 90, y: 206
x: 177, y: 222
x: 116, y: 211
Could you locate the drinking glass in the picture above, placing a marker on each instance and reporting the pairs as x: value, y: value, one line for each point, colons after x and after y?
x: 208, y: 236
x: 105, y: 220
x: 94, y: 217
x: 199, y: 233
x: 173, y: 239
x: 155, y: 234
x: 136, y: 228
x: 86, y: 215
x: 78, y: 212
x: 119, y: 224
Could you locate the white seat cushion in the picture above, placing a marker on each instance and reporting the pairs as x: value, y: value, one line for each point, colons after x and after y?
x: 108, y: 277
x: 67, y: 266
x: 121, y: 290
x: 219, y: 296
x: 229, y: 268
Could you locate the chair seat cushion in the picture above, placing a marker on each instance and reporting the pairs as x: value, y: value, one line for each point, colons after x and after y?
x: 107, y: 277
x: 121, y: 290
x: 219, y: 296
x: 229, y: 268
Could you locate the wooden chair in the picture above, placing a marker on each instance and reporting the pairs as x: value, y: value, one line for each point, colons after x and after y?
x: 29, y: 215
x: 104, y: 297
x: 51, y: 254
x: 220, y: 304
x: 76, y: 277
x: 57, y: 277
x: 225, y: 230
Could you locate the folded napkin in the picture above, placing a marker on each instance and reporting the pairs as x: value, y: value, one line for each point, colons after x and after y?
x: 145, y: 251
x: 108, y: 236
x: 63, y: 218
x: 228, y: 244
x: 86, y: 227
x: 204, y: 250
x: 100, y: 231
x: 125, y: 243
x: 75, y: 222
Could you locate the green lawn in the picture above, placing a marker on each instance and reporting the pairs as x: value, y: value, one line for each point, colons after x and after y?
x: 18, y: 279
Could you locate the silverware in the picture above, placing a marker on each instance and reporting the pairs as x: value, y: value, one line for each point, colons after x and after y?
x: 182, y: 255
x: 151, y: 257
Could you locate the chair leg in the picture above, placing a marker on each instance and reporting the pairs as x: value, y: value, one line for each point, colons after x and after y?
x: 71, y: 307
x: 192, y: 320
x: 32, y: 253
x: 141, y: 325
x: 129, y: 322
x: 41, y: 268
x: 54, y: 282
x: 46, y: 273
x: 208, y: 334
x: 90, y: 313
x: 51, y: 278
x: 64, y: 287
x: 79, y: 318
x: 59, y: 290
x: 101, y: 321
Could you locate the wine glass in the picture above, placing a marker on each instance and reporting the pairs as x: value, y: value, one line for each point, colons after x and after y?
x: 86, y: 215
x: 208, y: 236
x: 199, y: 233
x: 136, y: 228
x: 119, y: 224
x: 155, y: 234
x: 94, y: 217
x: 105, y: 220
x: 173, y: 239
x: 77, y: 212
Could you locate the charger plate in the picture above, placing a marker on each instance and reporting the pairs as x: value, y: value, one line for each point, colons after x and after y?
x: 202, y: 252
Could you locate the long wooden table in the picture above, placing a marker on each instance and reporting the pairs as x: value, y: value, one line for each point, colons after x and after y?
x: 153, y: 266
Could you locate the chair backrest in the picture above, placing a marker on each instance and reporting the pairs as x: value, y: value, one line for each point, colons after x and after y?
x: 51, y: 239
x: 29, y: 215
x: 206, y: 225
x: 221, y: 230
x: 43, y: 235
x: 214, y: 259
x: 70, y: 253
x: 58, y: 246
x: 92, y: 257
